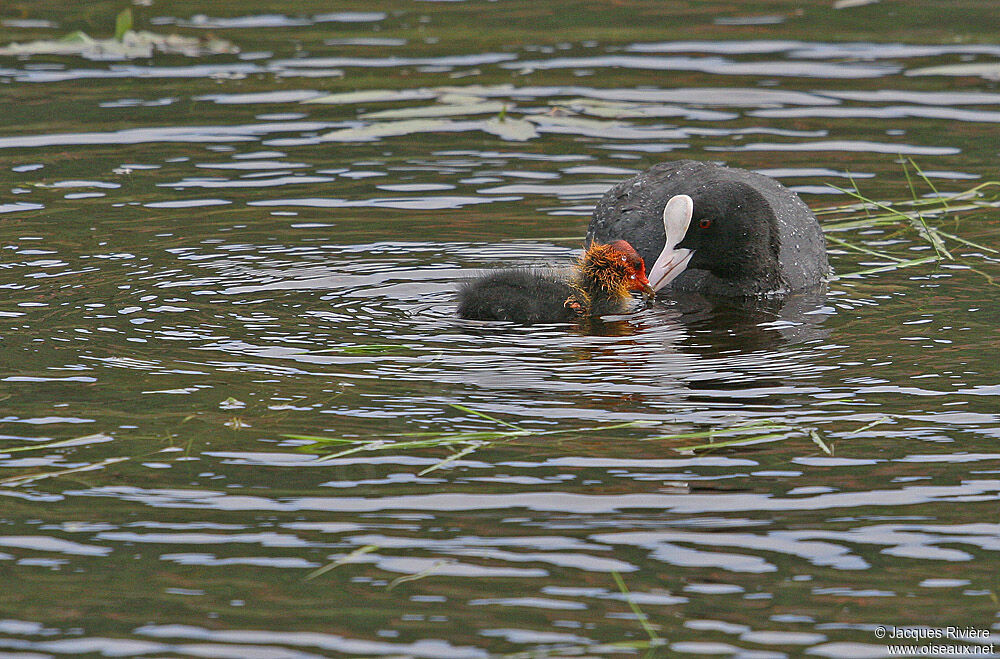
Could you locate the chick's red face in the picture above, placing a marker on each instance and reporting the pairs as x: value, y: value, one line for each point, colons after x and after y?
x: 634, y: 264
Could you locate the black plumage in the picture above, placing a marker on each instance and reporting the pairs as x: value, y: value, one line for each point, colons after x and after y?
x: 520, y: 296
x: 749, y: 234
x: 600, y: 283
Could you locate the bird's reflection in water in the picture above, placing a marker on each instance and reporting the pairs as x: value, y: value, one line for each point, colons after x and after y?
x: 698, y: 348
x: 724, y: 323
x: 721, y: 324
x: 609, y: 326
x: 690, y: 324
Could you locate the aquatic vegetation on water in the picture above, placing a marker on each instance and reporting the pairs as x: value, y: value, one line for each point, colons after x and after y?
x: 191, y: 272
x: 126, y: 44
x: 510, y: 123
x: 462, y: 443
x: 914, y: 214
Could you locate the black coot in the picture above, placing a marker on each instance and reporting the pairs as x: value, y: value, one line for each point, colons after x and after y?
x: 714, y: 230
x: 600, y: 283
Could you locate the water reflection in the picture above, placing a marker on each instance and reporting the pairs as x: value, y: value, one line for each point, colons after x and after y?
x: 753, y: 324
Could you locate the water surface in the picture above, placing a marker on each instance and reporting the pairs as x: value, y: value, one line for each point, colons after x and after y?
x: 204, y: 255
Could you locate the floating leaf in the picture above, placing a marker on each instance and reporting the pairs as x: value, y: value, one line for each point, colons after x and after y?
x: 376, y: 131
x: 368, y: 349
x: 123, y: 23
x: 630, y: 110
x: 76, y: 37
x: 610, y: 109
x: 130, y: 45
x: 374, y: 96
x: 576, y: 122
x: 515, y: 130
x: 460, y: 99
x: 232, y: 404
x: 454, y: 110
x: 848, y: 4
x: 989, y: 70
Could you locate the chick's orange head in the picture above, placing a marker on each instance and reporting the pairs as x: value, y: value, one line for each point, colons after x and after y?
x: 636, y: 267
x: 619, y: 261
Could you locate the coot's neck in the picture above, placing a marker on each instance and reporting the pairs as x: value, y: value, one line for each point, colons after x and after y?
x: 754, y: 271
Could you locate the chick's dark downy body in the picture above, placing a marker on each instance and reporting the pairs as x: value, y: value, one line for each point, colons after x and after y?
x: 525, y: 297
x: 600, y: 283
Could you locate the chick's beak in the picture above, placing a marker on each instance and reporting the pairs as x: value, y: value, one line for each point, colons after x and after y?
x: 641, y: 284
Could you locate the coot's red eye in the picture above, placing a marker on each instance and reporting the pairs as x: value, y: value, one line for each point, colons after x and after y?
x: 704, y: 223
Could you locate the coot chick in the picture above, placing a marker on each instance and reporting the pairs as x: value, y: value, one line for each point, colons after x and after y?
x: 745, y: 233
x: 600, y: 283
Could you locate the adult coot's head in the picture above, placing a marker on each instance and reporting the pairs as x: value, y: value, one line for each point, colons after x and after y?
x: 733, y: 236
x: 736, y: 232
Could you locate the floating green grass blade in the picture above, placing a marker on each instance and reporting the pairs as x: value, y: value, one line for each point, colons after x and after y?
x: 989, y: 279
x: 743, y: 427
x: 967, y: 242
x: 16, y: 481
x: 926, y: 231
x: 886, y: 268
x: 744, y: 441
x: 819, y: 442
x: 930, y: 184
x: 63, y: 443
x: 437, y: 438
x: 463, y: 442
x: 368, y: 349
x: 854, y: 184
x: 643, y: 618
x: 469, y: 410
x: 875, y: 221
x: 874, y: 423
x: 350, y: 558
x: 909, y: 181
x: 865, y: 250
x: 437, y: 565
x: 327, y: 440
x: 77, y: 36
x: 367, y: 446
x: 451, y: 458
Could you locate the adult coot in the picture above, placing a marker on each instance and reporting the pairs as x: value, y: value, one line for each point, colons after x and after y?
x: 600, y: 283
x: 737, y: 233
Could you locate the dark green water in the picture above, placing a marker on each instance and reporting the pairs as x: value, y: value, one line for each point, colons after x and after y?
x: 193, y: 267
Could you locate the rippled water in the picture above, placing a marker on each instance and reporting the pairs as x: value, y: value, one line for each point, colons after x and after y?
x: 205, y: 261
